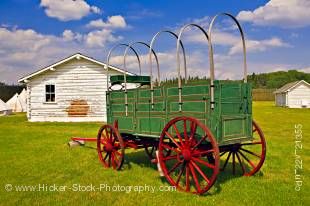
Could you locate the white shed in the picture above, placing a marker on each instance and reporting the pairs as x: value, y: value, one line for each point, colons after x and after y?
x: 71, y: 90
x: 293, y: 95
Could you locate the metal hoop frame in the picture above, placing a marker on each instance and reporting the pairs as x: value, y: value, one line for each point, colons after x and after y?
x: 109, y: 56
x: 208, y: 35
x: 212, y: 76
x: 178, y: 57
x: 151, y: 64
x: 125, y: 68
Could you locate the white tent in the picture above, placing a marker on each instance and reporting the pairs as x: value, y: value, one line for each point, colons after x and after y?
x: 23, y: 99
x: 15, y: 104
x: 4, y: 109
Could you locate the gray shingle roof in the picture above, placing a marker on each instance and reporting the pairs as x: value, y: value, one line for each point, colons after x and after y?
x: 288, y: 86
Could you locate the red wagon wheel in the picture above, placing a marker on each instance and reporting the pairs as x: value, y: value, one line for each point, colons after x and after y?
x: 110, y: 147
x: 187, y: 166
x: 246, y: 157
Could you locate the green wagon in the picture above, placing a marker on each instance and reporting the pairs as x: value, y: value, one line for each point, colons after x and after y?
x: 191, y: 130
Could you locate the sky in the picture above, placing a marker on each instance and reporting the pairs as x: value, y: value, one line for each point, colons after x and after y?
x: 37, y: 33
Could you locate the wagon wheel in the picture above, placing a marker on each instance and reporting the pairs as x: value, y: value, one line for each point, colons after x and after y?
x: 110, y: 147
x: 151, y: 151
x: 246, y: 157
x: 187, y: 166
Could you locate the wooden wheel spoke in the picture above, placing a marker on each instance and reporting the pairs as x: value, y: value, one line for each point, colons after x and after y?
x: 170, y: 148
x: 185, y: 130
x: 249, y: 161
x: 200, y: 141
x: 223, y: 168
x: 250, y: 152
x: 193, y: 130
x: 115, y: 156
x: 204, y: 162
x: 170, y: 157
x: 105, y: 157
x: 201, y: 153
x: 180, y: 174
x: 103, y: 137
x: 103, y: 141
x: 233, y: 163
x: 109, y: 161
x: 223, y: 153
x: 112, y: 160
x: 200, y: 172
x: 241, y: 165
x: 174, y: 167
x: 194, y: 177
x: 111, y: 135
x: 178, y: 134
x: 118, y: 153
x: 172, y: 139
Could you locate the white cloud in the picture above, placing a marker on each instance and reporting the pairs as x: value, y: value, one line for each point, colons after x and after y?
x: 234, y: 42
x: 26, y: 39
x: 112, y: 22
x: 23, y: 51
x: 283, y: 13
x: 258, y: 46
x: 99, y: 38
x: 68, y: 35
x: 66, y: 10
x: 229, y: 36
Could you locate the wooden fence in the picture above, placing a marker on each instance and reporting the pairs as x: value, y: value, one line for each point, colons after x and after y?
x: 263, y: 94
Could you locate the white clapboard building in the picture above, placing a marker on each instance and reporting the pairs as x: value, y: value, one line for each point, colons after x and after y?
x: 71, y: 90
x: 293, y: 95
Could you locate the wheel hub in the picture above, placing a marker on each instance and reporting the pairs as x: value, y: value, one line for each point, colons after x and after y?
x: 108, y: 147
x: 187, y: 154
x: 235, y: 147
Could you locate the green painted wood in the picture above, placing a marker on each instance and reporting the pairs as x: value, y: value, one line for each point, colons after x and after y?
x: 230, y: 121
x: 118, y: 79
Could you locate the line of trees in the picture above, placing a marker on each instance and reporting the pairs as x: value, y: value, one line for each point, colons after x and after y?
x: 272, y: 80
x: 277, y: 79
x: 7, y: 91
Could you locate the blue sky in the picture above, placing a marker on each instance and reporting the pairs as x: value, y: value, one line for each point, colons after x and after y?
x: 36, y: 33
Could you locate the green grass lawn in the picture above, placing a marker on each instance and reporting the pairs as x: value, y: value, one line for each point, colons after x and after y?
x: 37, y: 153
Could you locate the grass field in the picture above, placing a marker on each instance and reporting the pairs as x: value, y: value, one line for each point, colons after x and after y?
x: 37, y: 153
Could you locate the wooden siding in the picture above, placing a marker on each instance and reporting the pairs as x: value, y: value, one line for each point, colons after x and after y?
x: 75, y: 81
x: 297, y: 95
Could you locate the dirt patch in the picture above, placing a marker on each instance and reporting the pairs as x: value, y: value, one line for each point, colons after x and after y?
x: 78, y: 108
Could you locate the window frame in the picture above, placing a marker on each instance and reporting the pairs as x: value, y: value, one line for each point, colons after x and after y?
x: 49, y: 93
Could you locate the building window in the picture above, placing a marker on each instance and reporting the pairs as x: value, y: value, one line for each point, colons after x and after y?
x: 50, y: 93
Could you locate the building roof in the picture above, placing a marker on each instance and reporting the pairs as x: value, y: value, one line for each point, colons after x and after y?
x: 77, y: 56
x: 289, y: 86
